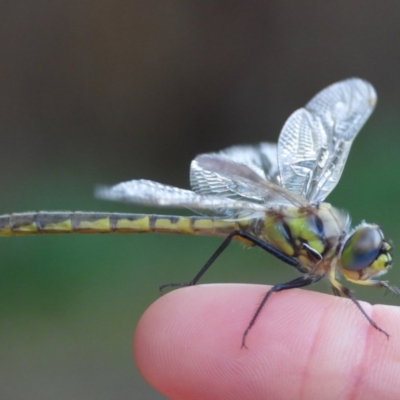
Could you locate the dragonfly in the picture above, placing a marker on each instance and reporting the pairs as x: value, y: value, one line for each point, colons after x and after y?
x: 266, y: 195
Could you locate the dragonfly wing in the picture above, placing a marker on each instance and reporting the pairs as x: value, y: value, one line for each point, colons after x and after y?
x: 220, y: 175
x: 302, y: 143
x: 262, y: 158
x: 315, y: 141
x: 156, y: 194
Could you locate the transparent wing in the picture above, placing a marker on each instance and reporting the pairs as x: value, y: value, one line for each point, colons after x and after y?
x: 315, y: 141
x: 156, y: 194
x: 220, y: 175
x: 262, y: 158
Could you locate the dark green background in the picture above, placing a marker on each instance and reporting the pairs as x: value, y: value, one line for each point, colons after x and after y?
x: 101, y: 92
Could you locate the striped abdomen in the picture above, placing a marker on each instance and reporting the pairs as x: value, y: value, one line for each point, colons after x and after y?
x: 43, y: 222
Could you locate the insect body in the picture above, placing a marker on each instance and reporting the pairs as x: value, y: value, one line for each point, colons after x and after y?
x: 265, y: 195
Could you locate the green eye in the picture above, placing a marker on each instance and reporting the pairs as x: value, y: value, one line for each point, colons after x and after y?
x: 362, y: 248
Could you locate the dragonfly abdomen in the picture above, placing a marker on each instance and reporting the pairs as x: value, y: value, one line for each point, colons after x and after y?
x: 44, y: 222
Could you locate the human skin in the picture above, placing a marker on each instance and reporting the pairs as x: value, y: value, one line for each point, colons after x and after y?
x: 304, y: 345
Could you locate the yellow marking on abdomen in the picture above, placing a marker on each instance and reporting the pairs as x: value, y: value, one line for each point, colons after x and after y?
x: 92, y: 225
x: 217, y: 226
x: 140, y: 224
x: 65, y: 226
x: 171, y: 224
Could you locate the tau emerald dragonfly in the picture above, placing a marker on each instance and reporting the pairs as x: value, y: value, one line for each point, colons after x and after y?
x: 266, y: 195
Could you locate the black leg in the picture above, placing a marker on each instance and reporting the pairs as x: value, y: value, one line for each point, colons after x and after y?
x: 246, y: 235
x: 389, y: 288
x: 296, y: 283
x: 346, y: 292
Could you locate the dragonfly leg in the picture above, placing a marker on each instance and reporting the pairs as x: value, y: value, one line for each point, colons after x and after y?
x: 345, y: 292
x: 386, y: 285
x: 246, y: 235
x: 295, y: 283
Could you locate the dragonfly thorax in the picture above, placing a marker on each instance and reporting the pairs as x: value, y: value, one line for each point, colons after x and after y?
x: 310, y: 234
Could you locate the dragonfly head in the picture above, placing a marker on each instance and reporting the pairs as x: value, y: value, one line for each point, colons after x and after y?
x: 365, y: 253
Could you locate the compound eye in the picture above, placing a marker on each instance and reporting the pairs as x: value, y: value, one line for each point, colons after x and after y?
x: 362, y: 248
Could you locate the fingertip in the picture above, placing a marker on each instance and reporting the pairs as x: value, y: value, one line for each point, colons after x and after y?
x: 188, y: 343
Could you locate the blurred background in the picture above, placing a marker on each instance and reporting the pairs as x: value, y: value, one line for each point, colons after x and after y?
x: 102, y: 92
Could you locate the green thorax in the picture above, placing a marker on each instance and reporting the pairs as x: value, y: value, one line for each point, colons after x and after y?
x: 306, y: 232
